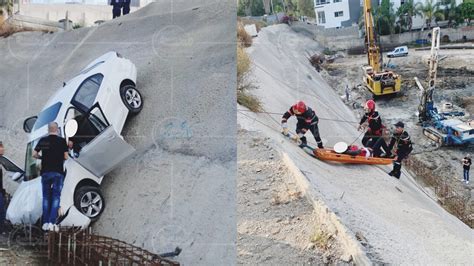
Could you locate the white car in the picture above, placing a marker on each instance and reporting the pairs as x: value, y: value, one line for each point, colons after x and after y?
x: 98, y: 99
x: 398, y: 52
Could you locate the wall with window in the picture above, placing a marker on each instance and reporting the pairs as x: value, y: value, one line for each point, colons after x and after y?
x: 332, y: 13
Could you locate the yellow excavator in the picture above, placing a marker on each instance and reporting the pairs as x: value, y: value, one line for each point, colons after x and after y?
x: 378, y: 81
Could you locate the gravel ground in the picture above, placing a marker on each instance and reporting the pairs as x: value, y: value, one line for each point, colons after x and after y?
x: 276, y: 223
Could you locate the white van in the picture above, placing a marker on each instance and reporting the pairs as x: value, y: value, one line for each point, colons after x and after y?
x: 398, y: 51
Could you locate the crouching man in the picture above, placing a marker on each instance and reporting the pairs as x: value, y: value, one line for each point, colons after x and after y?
x: 401, y: 145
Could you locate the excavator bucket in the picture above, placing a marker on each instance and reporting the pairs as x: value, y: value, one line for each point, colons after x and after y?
x: 330, y: 155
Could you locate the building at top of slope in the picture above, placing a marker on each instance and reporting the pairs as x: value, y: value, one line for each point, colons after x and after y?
x: 345, y: 13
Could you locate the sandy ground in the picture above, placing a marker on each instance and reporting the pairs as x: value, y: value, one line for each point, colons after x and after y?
x: 277, y: 224
x: 454, y: 84
x: 179, y: 189
x: 401, y: 223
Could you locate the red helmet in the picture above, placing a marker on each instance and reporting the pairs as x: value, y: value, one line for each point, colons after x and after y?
x: 299, y: 107
x: 370, y: 105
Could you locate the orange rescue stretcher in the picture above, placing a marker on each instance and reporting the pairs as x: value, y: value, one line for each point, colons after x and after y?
x: 331, y: 155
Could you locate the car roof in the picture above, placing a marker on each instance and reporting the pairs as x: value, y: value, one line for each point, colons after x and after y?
x: 65, y: 93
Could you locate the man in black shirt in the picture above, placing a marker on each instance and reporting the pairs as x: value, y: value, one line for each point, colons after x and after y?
x: 466, y: 163
x: 307, y: 120
x: 53, y: 153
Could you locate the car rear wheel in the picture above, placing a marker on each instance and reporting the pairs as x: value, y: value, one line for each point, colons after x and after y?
x: 132, y: 98
x: 89, y: 201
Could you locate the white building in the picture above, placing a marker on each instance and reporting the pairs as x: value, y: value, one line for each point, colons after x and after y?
x: 344, y: 13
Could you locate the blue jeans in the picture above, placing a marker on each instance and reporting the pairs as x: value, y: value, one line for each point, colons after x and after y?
x: 52, y: 183
x: 466, y: 175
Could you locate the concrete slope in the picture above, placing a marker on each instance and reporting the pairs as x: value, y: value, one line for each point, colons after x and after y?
x: 179, y: 189
x: 401, y: 223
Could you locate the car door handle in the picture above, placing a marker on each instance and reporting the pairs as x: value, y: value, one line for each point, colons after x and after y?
x: 111, y: 138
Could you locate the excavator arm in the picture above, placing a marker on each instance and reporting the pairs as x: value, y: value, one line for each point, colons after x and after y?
x: 373, y: 52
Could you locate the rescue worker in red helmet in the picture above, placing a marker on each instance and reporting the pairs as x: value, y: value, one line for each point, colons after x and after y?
x: 374, y: 128
x: 307, y: 120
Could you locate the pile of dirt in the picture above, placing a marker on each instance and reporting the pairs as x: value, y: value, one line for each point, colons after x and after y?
x: 179, y: 188
x: 276, y: 223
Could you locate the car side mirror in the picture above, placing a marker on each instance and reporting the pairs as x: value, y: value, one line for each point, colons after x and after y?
x: 17, y: 177
x: 29, y: 123
x: 71, y: 128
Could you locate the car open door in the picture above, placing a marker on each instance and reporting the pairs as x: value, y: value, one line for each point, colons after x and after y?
x: 16, y: 173
x: 107, y: 149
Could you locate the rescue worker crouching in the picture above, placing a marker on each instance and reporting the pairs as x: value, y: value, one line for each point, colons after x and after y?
x: 375, y: 126
x: 307, y: 120
x: 403, y: 147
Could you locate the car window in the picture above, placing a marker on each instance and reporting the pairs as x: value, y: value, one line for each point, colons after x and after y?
x: 87, y: 92
x: 47, y: 115
x: 396, y: 50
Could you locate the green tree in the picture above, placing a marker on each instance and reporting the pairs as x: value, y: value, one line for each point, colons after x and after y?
x: 257, y: 8
x: 384, y: 18
x: 429, y: 10
x: 451, y: 13
x: 6, y: 6
x: 405, y: 14
x: 466, y: 11
x: 306, y: 8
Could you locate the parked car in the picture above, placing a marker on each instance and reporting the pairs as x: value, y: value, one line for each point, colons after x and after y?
x: 98, y: 99
x: 398, y: 52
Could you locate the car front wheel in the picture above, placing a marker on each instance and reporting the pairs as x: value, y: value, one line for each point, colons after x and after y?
x: 132, y: 98
x: 89, y: 201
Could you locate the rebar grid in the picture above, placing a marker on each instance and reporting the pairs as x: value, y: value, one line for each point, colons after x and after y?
x: 70, y: 246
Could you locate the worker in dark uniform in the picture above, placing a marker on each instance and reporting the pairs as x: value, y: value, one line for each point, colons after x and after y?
x: 126, y: 7
x: 307, y: 120
x: 401, y: 145
x: 374, y: 122
x: 116, y: 7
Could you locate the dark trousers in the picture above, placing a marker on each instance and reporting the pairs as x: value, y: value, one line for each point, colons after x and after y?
x: 2, y: 211
x: 466, y: 174
x: 126, y: 8
x: 314, y: 130
x: 369, y: 139
x: 378, y: 146
x: 116, y: 10
x: 52, y: 184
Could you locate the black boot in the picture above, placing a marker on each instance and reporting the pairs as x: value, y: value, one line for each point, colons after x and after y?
x: 320, y: 145
x: 303, y: 143
x: 397, y: 167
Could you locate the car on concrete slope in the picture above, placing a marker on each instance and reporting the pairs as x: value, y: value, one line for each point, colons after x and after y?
x: 398, y: 52
x: 96, y: 103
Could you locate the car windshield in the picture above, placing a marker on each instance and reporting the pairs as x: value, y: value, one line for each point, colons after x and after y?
x: 47, y: 115
x: 32, y: 168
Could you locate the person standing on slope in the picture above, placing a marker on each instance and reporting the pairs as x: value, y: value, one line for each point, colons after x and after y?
x: 374, y: 124
x: 307, y: 120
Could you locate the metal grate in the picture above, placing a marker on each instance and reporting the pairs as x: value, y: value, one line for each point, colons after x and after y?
x: 70, y: 246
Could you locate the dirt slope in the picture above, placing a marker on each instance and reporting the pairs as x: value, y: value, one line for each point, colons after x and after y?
x: 401, y: 224
x: 179, y: 189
